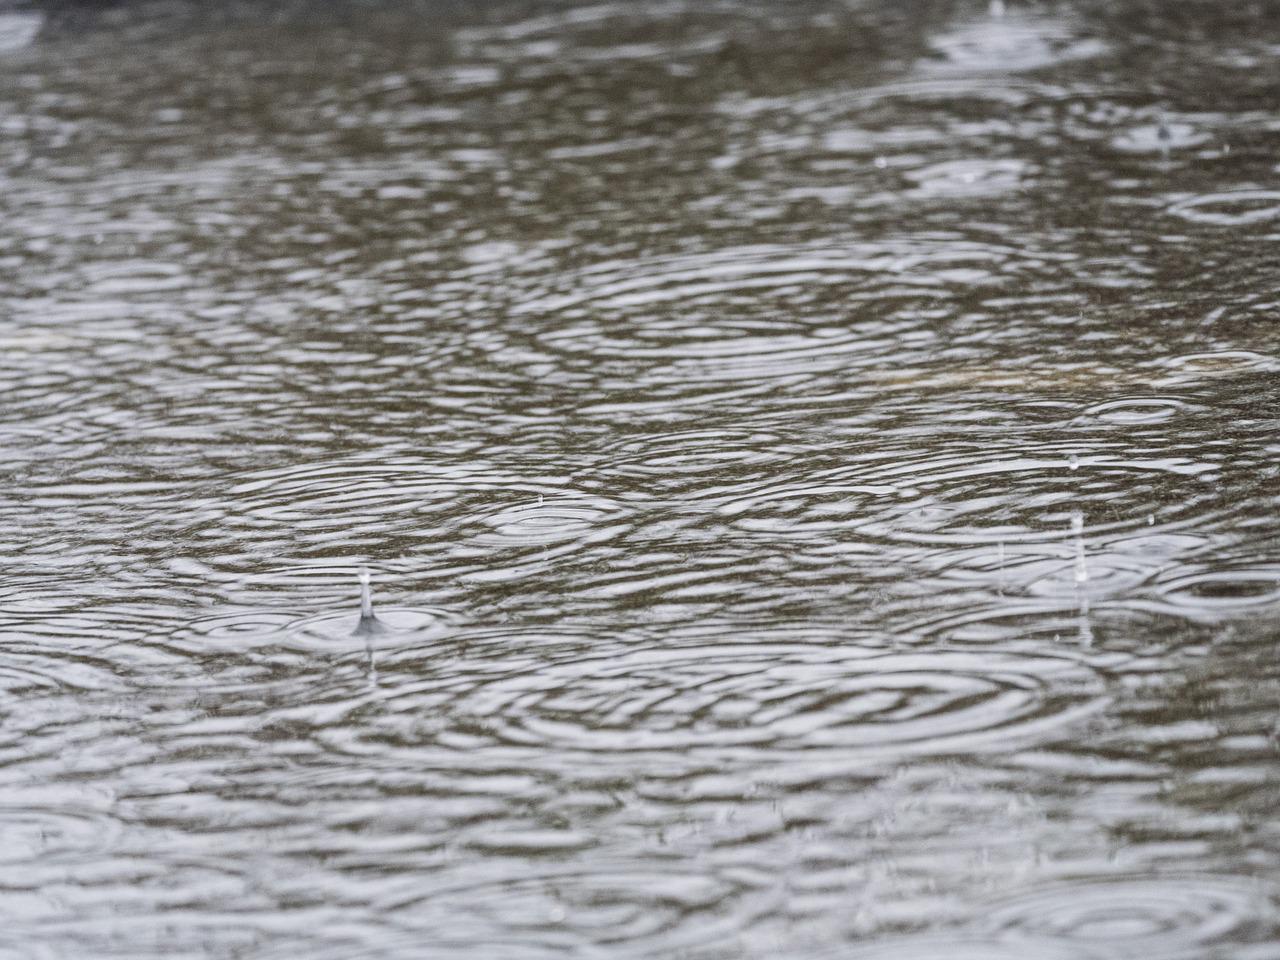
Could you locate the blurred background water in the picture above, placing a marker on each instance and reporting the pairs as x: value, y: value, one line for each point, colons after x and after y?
x: 818, y: 463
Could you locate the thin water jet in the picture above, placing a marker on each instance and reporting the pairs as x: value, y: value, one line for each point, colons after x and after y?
x: 369, y: 624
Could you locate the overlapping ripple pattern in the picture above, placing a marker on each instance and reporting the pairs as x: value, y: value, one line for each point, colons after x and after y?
x: 817, y: 465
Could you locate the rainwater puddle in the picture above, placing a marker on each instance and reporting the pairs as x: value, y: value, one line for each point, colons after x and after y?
x: 816, y: 464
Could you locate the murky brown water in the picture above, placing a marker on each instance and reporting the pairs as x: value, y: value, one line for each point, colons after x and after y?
x: 819, y: 465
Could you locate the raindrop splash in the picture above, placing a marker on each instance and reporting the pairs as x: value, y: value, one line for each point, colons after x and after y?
x: 369, y: 624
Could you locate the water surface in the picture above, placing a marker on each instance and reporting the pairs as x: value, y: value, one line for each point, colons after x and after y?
x: 819, y: 465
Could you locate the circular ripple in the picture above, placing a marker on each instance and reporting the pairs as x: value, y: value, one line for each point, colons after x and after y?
x: 405, y: 621
x: 243, y: 631
x: 1222, y: 589
x: 789, y: 698
x: 1036, y: 579
x: 1139, y: 916
x: 739, y: 269
x: 1136, y: 410
x: 656, y: 911
x: 1007, y: 622
x: 1159, y: 138
x: 240, y: 627
x: 1217, y: 364
x: 355, y: 507
x: 547, y: 521
x: 985, y: 497
x: 972, y: 499
x: 731, y: 314
x: 978, y: 177
x: 1236, y: 208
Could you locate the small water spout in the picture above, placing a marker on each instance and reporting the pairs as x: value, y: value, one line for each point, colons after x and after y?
x: 369, y: 623
x: 369, y: 626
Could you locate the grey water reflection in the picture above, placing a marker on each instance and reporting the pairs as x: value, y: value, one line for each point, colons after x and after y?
x: 819, y: 464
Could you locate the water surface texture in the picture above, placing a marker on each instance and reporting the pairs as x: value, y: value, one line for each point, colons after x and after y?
x: 818, y: 463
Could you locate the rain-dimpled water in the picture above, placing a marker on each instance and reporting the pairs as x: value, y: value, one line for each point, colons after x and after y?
x: 672, y: 480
